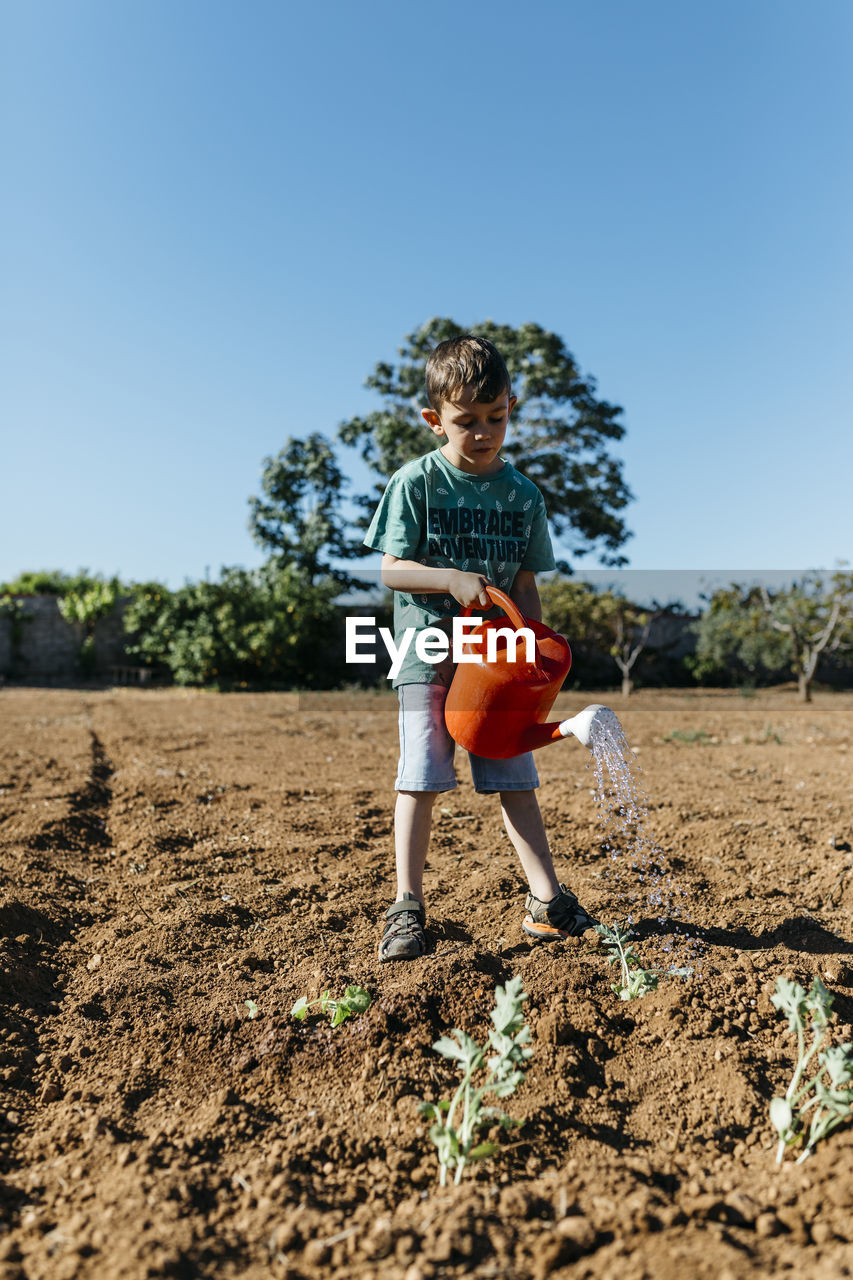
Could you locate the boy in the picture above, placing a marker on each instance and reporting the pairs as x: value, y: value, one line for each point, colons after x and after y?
x: 449, y: 524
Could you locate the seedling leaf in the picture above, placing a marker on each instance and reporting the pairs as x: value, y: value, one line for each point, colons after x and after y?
x: 483, y: 1150
x: 449, y: 1048
x: 789, y: 999
x: 356, y: 999
x: 839, y: 1063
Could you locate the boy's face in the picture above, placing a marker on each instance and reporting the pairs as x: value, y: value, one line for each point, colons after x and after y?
x: 474, y: 432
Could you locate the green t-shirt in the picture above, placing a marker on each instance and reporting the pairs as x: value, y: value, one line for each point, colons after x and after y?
x: 445, y: 518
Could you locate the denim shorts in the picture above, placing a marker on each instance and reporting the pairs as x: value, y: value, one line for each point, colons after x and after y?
x: 427, y: 750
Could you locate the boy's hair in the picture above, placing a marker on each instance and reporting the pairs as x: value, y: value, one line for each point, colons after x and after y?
x: 469, y: 363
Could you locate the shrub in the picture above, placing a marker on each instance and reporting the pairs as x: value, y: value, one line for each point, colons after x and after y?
x: 82, y: 606
x: 50, y: 582
x: 269, y: 626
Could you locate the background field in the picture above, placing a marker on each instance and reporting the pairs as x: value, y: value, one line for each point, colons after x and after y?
x: 171, y: 855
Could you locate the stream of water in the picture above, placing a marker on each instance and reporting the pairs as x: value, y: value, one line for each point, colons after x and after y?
x: 637, y: 867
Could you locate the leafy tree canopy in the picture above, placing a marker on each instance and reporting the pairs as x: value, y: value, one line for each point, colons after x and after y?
x: 559, y: 435
x: 751, y: 630
x: 599, y: 620
x: 813, y: 617
x: 735, y: 642
x: 299, y: 518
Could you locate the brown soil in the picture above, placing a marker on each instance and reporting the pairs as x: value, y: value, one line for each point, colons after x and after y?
x: 170, y: 856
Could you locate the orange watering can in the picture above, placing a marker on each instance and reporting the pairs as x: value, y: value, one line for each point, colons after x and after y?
x: 498, y: 708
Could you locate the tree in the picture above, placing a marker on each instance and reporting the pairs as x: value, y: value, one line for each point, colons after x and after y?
x: 598, y: 621
x: 815, y: 618
x: 752, y: 630
x: 559, y: 436
x: 631, y: 630
x: 299, y: 519
x: 734, y: 642
x: 575, y: 609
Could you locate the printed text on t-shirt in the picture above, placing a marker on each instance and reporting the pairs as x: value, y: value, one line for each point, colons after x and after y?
x: 497, y: 534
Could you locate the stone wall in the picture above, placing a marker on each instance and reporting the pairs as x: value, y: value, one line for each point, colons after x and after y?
x: 36, y: 643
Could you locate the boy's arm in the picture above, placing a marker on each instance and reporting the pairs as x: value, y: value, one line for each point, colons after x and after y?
x: 525, y: 594
x: 468, y: 589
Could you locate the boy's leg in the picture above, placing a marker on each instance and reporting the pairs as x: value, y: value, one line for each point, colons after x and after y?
x: 552, y: 911
x: 412, y: 825
x: 425, y: 768
x: 403, y: 937
x: 515, y: 780
x: 525, y: 828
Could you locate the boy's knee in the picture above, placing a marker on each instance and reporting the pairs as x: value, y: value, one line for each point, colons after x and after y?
x: 519, y: 797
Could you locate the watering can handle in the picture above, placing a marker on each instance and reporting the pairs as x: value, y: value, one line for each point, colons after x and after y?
x: 501, y: 599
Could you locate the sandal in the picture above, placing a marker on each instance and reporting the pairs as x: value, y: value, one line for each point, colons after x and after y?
x: 562, y: 917
x: 403, y: 937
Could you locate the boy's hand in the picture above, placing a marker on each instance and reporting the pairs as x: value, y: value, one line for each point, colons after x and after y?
x: 470, y: 589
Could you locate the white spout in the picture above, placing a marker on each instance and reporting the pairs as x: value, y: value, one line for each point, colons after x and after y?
x: 581, y: 724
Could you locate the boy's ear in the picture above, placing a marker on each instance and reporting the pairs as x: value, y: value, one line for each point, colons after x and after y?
x: 513, y: 401
x: 433, y: 421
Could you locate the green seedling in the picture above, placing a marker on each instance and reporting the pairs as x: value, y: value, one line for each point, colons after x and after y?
x: 634, y: 980
x: 455, y: 1135
x: 687, y: 735
x: 831, y: 1086
x: 354, y: 1000
x: 252, y: 1007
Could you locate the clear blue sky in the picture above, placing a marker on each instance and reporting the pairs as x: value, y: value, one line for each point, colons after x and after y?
x: 217, y: 217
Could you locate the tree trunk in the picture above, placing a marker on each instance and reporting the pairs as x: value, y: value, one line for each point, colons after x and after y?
x: 627, y: 686
x: 804, y: 687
